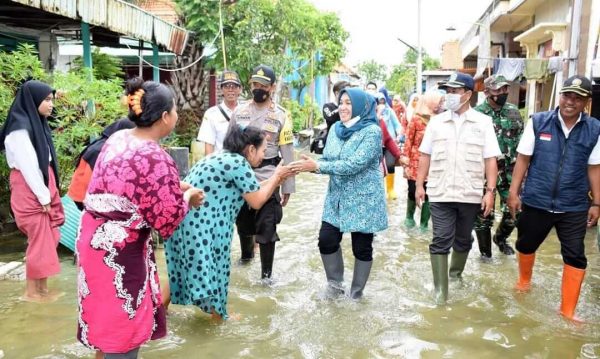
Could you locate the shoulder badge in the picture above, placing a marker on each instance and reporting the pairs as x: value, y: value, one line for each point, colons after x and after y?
x: 286, y: 135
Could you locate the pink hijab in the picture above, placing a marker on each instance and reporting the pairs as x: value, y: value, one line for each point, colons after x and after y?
x: 428, y: 103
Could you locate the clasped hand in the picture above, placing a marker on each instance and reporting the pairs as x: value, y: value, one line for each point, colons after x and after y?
x: 283, y: 172
x: 196, y: 195
x: 306, y: 164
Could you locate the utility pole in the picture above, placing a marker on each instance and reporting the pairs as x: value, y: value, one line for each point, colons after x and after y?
x: 419, y: 84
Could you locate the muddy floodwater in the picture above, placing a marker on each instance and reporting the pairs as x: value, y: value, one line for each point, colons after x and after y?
x: 290, y: 318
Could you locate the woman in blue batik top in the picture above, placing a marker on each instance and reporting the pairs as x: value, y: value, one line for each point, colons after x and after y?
x: 355, y: 200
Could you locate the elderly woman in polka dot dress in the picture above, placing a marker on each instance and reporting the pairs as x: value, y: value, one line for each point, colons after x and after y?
x: 198, y: 253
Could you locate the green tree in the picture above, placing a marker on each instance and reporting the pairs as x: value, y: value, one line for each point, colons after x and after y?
x: 105, y: 66
x: 372, y: 71
x: 72, y: 129
x: 261, y: 31
x: 403, y: 76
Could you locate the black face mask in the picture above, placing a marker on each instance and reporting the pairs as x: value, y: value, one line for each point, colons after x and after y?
x: 260, y: 95
x: 500, y: 100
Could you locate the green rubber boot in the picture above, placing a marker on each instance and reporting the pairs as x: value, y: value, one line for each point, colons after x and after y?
x: 425, y: 215
x: 439, y: 267
x: 409, y: 222
x: 458, y: 260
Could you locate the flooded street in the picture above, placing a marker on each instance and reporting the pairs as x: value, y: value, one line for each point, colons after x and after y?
x: 396, y: 318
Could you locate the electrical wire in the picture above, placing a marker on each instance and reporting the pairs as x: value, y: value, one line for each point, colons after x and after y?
x: 180, y: 68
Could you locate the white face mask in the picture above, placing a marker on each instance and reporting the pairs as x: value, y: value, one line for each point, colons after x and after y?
x: 452, y: 102
x: 351, y: 122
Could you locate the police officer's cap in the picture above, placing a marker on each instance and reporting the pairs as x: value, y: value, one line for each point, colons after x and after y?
x: 263, y: 74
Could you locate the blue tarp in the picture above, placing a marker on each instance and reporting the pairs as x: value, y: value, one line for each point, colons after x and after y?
x: 69, y: 230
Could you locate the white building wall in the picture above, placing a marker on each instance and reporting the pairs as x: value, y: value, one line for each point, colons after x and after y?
x: 553, y: 11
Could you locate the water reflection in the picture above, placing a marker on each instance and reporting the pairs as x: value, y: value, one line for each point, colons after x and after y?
x: 396, y: 318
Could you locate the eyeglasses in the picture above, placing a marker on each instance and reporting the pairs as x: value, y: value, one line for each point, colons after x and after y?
x: 230, y: 86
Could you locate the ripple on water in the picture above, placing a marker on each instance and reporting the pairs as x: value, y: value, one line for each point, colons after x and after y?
x: 405, y: 345
x: 397, y: 316
x: 496, y: 336
x: 590, y: 351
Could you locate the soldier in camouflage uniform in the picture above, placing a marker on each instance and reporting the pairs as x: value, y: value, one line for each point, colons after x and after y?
x: 508, y: 125
x: 260, y: 226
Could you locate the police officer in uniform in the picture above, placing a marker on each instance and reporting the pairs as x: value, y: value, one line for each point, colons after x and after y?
x: 508, y: 125
x: 264, y: 113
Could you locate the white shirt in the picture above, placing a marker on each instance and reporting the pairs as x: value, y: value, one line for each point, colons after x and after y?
x: 490, y: 146
x: 527, y: 142
x: 21, y: 155
x: 214, y: 127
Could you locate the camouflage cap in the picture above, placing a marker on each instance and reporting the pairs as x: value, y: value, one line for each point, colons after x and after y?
x: 495, y: 82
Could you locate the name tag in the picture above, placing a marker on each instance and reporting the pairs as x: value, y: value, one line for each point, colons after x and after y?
x: 545, y: 137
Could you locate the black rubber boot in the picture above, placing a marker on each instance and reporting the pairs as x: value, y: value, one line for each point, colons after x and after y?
x: 267, y: 253
x: 484, y: 239
x: 507, y: 224
x: 247, y: 246
x: 362, y: 269
x: 334, y: 271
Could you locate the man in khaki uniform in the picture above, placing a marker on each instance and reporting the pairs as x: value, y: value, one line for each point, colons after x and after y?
x: 264, y: 113
x: 216, y: 119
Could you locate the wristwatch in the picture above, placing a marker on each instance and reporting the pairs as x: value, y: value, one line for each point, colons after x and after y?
x: 595, y: 205
x: 489, y: 189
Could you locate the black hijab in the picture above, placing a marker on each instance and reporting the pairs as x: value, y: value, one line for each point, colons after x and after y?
x: 91, y: 152
x: 24, y: 115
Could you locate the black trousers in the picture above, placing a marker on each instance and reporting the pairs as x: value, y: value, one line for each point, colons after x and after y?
x: 261, y: 223
x: 330, y: 238
x: 452, y: 226
x: 390, y: 161
x: 412, y: 189
x: 534, y: 225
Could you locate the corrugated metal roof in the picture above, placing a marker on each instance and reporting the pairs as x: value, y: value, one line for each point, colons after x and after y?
x: 165, y: 33
x: 118, y: 16
x: 66, y: 8
x: 32, y: 3
x: 93, y: 12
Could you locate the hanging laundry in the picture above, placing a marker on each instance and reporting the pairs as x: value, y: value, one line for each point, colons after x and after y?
x: 555, y: 64
x: 510, y: 68
x: 496, y: 65
x: 536, y: 69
